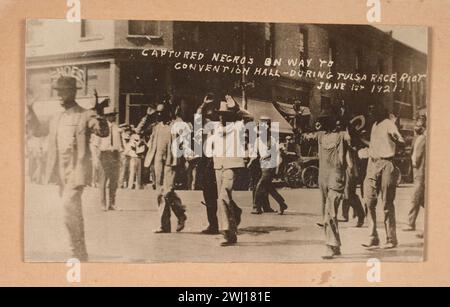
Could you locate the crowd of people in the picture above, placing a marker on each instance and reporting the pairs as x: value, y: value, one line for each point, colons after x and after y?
x: 88, y: 147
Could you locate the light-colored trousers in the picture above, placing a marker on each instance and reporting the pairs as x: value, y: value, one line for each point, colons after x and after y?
x: 330, y: 223
x: 225, y: 180
x: 418, y: 199
x: 381, y: 178
x: 73, y: 219
x: 135, y: 173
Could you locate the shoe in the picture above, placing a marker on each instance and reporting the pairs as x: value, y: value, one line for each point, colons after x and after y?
x: 229, y: 241
x: 256, y: 211
x: 331, y: 252
x: 320, y: 224
x: 270, y: 210
x: 390, y: 245
x: 283, y: 207
x: 112, y: 208
x: 181, y: 223
x: 161, y: 231
x: 210, y: 231
x: 336, y: 250
x: 372, y: 244
x: 409, y: 228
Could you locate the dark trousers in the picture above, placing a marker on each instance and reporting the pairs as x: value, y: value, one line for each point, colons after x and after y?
x: 109, y: 175
x: 351, y: 199
x: 264, y: 188
x: 209, y: 188
x: 167, y: 198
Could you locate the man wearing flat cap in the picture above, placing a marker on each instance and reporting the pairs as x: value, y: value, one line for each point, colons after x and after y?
x: 68, y: 158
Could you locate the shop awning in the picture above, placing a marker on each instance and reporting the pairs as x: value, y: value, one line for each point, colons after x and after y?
x: 259, y: 108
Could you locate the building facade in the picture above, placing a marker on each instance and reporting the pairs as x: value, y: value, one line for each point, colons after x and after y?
x: 107, y: 56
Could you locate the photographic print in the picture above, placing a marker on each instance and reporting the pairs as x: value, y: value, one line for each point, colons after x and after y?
x: 187, y: 141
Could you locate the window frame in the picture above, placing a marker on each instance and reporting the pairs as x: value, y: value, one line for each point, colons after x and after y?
x: 158, y: 35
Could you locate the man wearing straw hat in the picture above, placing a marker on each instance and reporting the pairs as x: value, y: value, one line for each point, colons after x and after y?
x: 68, y: 159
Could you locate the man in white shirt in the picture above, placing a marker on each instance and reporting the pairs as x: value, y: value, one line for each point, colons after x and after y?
x: 109, y: 149
x: 381, y: 177
x: 228, y: 148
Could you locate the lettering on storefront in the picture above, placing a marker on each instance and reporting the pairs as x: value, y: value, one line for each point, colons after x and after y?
x: 70, y: 71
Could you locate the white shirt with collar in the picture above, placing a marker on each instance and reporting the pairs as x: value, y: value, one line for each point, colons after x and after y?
x: 113, y: 142
x: 382, y: 144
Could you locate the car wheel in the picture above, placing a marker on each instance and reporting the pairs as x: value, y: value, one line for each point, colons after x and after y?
x: 310, y: 176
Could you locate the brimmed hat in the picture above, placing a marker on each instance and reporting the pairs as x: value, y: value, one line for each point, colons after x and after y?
x: 110, y: 111
x: 66, y: 83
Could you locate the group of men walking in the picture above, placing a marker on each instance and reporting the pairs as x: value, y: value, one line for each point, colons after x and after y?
x: 69, y: 164
x: 340, y: 152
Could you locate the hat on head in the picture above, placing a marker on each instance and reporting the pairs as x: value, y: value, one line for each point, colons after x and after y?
x: 66, y: 83
x: 421, y: 122
x: 111, y: 110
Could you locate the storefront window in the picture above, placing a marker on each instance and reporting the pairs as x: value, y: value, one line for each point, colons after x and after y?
x: 144, y: 28
x: 87, y: 29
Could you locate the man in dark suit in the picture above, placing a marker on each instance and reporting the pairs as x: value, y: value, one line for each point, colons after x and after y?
x: 68, y: 157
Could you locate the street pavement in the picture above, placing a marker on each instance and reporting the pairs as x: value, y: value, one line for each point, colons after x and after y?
x: 127, y: 235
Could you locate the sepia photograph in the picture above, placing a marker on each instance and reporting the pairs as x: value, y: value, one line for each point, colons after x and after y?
x: 154, y: 141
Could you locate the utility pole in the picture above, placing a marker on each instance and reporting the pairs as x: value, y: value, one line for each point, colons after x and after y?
x: 243, y: 85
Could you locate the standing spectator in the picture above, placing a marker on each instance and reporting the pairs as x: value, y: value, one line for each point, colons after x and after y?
x: 135, y: 150
x: 68, y: 158
x: 110, y: 148
x: 381, y: 177
x: 418, y: 157
x: 125, y: 136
